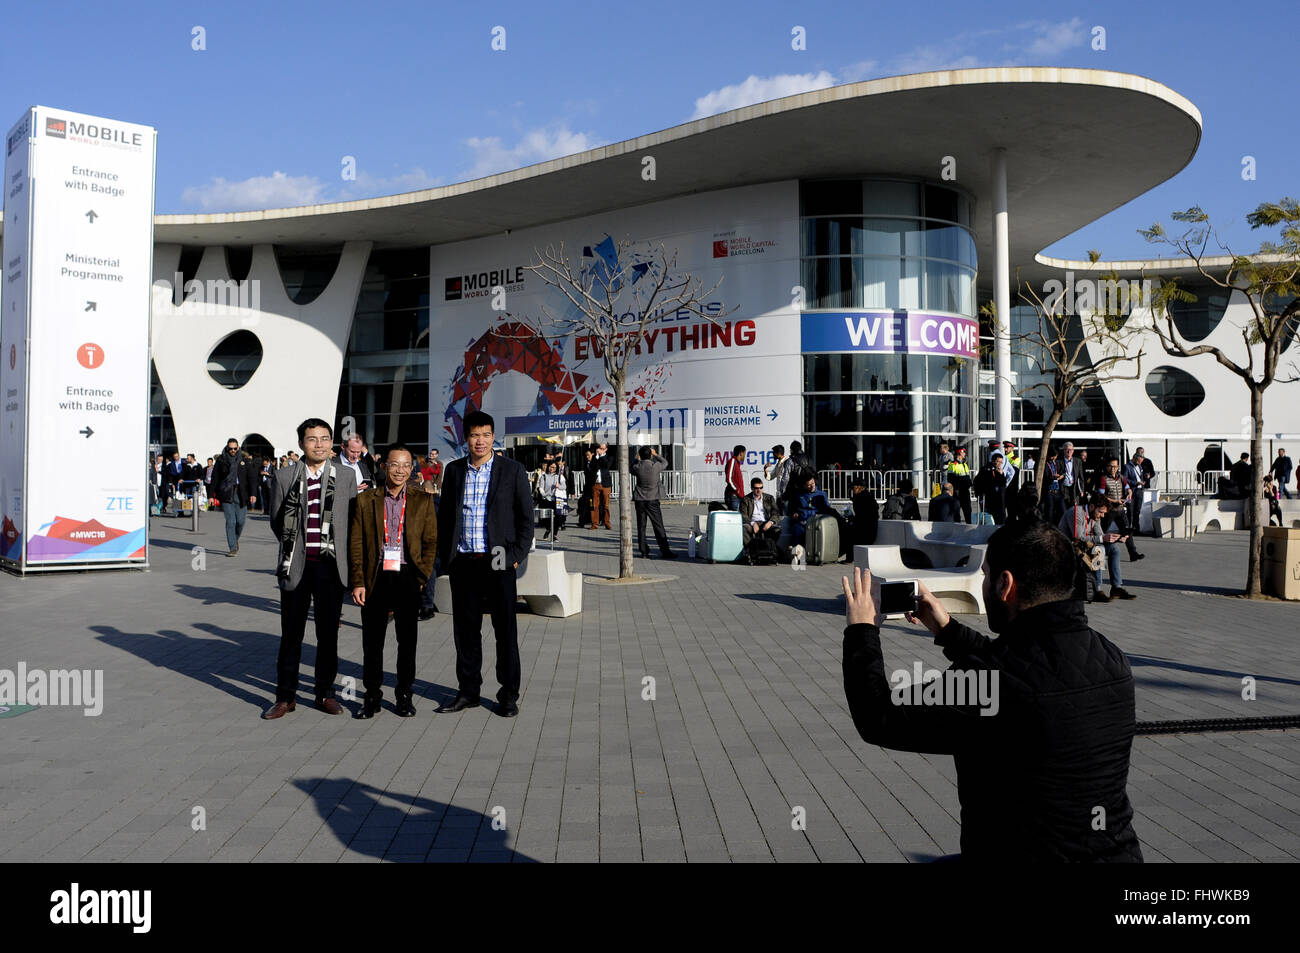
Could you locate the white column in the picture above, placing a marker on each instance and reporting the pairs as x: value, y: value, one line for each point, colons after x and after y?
x: 918, y: 441
x: 1001, y: 298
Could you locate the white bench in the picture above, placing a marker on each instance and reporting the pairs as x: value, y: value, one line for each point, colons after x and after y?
x: 959, y: 588
x: 541, y: 581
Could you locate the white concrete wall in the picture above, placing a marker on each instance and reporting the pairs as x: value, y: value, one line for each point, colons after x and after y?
x: 302, y: 350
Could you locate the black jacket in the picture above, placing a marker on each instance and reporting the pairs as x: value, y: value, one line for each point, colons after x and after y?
x: 246, y: 479
x: 509, y: 520
x: 1030, y: 777
x: 866, y: 518
x: 944, y: 508
x: 598, y: 470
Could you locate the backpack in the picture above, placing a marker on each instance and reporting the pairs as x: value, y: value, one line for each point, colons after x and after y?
x: 893, y: 509
x: 761, y: 551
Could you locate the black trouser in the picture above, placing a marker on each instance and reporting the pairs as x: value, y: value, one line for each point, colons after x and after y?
x: 474, y: 583
x: 773, y: 532
x: 320, y: 581
x: 398, y: 592
x: 995, y: 505
x: 1135, y: 509
x: 650, y: 509
x: 1118, y: 516
x: 961, y: 493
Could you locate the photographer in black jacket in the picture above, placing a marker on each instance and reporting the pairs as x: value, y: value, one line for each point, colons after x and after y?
x: 1042, y: 771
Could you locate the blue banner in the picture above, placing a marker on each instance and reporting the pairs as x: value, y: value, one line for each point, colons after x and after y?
x: 888, y: 332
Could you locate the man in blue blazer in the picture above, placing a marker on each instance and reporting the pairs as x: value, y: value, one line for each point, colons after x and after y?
x: 485, y: 530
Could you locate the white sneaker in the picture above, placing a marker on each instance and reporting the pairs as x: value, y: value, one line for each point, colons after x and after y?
x: 797, y: 553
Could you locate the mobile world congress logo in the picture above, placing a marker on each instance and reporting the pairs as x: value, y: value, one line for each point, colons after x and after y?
x: 17, y: 136
x: 94, y: 133
x: 480, y: 284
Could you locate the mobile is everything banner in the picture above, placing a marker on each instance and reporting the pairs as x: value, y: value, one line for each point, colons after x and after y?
x: 731, y: 376
x: 75, y: 374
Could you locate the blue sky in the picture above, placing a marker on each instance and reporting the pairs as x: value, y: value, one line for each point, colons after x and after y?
x: 265, y: 114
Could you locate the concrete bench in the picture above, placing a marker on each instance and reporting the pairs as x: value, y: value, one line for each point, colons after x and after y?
x: 1169, y: 518
x: 541, y: 581
x: 917, y: 534
x: 959, y: 588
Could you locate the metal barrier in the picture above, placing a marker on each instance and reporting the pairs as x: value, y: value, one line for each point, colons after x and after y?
x: 1188, y: 482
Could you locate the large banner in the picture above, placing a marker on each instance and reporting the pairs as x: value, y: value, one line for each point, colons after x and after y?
x: 78, y: 250
x: 731, y: 377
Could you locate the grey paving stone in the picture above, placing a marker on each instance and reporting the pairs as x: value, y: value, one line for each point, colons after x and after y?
x: 749, y: 721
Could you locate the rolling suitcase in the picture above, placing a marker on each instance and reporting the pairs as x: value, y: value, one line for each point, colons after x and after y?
x: 823, y: 540
x: 725, y: 539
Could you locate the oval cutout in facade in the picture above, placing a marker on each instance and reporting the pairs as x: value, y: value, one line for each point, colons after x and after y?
x: 234, y: 359
x: 1174, y: 391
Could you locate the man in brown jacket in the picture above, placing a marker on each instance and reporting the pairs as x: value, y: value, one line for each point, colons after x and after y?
x: 393, y: 543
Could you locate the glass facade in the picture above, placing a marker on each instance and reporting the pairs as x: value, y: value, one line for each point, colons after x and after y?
x: 887, y: 244
x: 1030, y: 405
x: 385, y: 386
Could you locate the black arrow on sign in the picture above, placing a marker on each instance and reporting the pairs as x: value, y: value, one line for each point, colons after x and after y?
x: 92, y: 215
x: 87, y: 431
x: 90, y: 306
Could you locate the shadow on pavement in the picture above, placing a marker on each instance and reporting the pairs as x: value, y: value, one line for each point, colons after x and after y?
x: 379, y: 823
x: 241, y: 662
x: 1153, y: 661
x: 833, y: 605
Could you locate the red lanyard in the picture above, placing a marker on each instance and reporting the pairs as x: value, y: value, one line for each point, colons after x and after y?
x: 401, y: 519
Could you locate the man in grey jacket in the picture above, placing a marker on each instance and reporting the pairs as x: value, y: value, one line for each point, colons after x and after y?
x: 310, y: 515
x: 645, y: 497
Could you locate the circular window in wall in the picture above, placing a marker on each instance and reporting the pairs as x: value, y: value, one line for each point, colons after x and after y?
x: 1174, y: 391
x: 233, y: 361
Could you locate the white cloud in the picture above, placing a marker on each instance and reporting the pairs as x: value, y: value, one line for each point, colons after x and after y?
x: 856, y: 72
x: 370, y: 186
x: 757, y: 89
x: 537, y: 145
x: 925, y: 59
x: 1053, y: 39
x: 276, y: 190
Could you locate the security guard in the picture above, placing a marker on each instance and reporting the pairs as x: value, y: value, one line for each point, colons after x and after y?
x: 959, y: 477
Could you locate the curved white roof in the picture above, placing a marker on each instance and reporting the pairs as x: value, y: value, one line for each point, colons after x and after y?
x: 1080, y: 143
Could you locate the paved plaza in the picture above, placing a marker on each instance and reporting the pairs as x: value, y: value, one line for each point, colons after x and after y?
x: 748, y: 723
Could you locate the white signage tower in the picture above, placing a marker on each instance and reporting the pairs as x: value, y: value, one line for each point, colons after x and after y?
x: 74, y: 342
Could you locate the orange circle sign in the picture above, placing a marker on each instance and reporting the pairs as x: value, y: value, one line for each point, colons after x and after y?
x: 90, y: 356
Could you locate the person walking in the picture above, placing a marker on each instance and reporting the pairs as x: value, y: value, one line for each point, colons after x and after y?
x: 601, y: 482
x: 235, y: 485
x: 554, y: 494
x: 485, y: 530
x: 645, y: 498
x: 392, y: 544
x: 1281, y: 470
x: 311, y: 516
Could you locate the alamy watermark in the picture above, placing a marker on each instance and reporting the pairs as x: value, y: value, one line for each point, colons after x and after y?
x: 1092, y: 295
x: 962, y: 688
x: 76, y: 688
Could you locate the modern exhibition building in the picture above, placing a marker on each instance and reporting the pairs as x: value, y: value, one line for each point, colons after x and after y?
x: 853, y: 234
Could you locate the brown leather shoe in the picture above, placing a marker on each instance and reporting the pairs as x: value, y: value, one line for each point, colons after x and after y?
x: 280, y: 709
x: 330, y: 706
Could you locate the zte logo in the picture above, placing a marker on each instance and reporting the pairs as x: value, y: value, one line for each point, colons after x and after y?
x: 58, y: 128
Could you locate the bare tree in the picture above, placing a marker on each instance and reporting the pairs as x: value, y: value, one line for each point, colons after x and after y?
x: 1270, y: 283
x: 1052, y: 342
x: 616, y: 300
